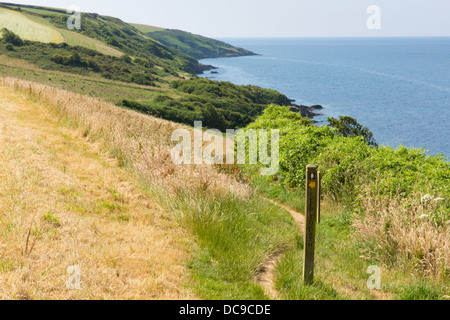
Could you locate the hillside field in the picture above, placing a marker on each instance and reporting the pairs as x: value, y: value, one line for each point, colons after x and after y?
x: 27, y: 28
x: 87, y: 119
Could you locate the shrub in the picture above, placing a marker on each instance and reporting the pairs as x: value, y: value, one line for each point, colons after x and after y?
x: 400, y: 197
x: 126, y: 58
x: 11, y: 38
x: 344, y: 167
x: 349, y: 127
x: 92, y: 63
x: 113, y: 42
x: 213, y: 119
x: 57, y: 58
x: 140, y: 78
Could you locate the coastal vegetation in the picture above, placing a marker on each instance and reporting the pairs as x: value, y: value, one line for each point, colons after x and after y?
x: 223, y: 224
x: 220, y: 105
x: 194, y: 45
x: 395, y: 201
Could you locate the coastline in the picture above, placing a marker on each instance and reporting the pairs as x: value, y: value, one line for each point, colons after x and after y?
x: 201, y: 68
x: 306, y: 111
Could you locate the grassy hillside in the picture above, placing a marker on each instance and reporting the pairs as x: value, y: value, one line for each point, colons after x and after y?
x: 27, y: 28
x: 236, y: 231
x: 108, y: 35
x: 194, y: 45
x: 220, y: 105
x: 83, y: 172
x: 30, y: 25
x: 145, y: 28
x: 393, y: 204
x: 109, y: 48
x: 78, y: 206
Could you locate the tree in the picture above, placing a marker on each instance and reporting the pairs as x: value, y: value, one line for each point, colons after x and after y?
x: 213, y: 119
x: 57, y: 58
x: 349, y: 127
x: 75, y: 59
x: 12, y: 38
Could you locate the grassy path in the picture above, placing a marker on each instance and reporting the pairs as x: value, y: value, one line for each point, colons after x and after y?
x: 340, y: 282
x: 64, y: 202
x: 267, y: 277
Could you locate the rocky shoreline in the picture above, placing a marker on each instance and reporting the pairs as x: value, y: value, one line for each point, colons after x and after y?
x: 306, y: 111
x: 309, y: 112
x: 201, y: 68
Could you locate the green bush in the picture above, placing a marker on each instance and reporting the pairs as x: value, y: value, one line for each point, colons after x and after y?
x: 9, y: 47
x: 213, y: 119
x: 349, y: 127
x: 57, y: 58
x: 126, y: 58
x: 140, y: 78
x: 350, y: 162
x: 11, y: 38
x: 344, y: 165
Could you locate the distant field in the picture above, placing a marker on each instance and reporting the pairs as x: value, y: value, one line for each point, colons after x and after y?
x: 35, y: 28
x: 76, y: 39
x: 146, y: 29
x: 44, y: 11
x: 27, y: 28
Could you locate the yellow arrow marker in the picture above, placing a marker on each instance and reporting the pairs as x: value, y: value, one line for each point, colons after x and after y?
x: 312, y: 185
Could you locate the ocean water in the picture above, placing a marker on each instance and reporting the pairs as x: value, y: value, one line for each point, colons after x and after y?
x: 398, y: 87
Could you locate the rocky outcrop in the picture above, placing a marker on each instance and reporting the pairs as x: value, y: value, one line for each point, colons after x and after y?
x: 306, y: 111
x: 201, y: 68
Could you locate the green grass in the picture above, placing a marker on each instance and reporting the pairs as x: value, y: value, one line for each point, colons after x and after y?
x: 235, y: 238
x: 290, y: 285
x: 196, y: 46
x: 341, y: 258
x: 52, y: 219
x: 145, y: 28
x: 420, y: 290
x: 76, y: 39
x: 293, y: 198
x: 90, y: 85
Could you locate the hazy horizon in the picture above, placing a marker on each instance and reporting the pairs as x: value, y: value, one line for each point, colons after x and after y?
x: 281, y: 19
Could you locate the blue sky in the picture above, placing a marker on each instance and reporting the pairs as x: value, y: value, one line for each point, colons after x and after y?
x: 279, y: 18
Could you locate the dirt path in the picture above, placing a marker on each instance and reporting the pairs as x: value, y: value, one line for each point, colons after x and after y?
x: 266, y: 278
x: 63, y: 202
x: 298, y: 217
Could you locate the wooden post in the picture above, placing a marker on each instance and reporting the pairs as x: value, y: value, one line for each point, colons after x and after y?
x: 319, y: 194
x: 312, y: 215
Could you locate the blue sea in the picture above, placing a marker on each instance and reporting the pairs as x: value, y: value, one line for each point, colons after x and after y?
x: 398, y: 87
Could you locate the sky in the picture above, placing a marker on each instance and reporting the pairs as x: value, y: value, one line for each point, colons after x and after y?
x: 277, y: 18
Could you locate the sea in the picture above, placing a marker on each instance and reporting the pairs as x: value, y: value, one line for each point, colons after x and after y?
x: 398, y: 87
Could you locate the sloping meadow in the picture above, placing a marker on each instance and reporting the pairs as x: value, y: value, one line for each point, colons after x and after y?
x: 235, y: 231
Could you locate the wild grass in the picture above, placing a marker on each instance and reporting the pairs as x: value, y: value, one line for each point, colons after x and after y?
x: 64, y: 202
x: 235, y: 231
x: 406, y: 233
x: 348, y: 243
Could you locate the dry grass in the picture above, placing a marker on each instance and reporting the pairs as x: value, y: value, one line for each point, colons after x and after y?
x: 64, y: 202
x: 78, y: 206
x: 405, y: 233
x: 137, y: 140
